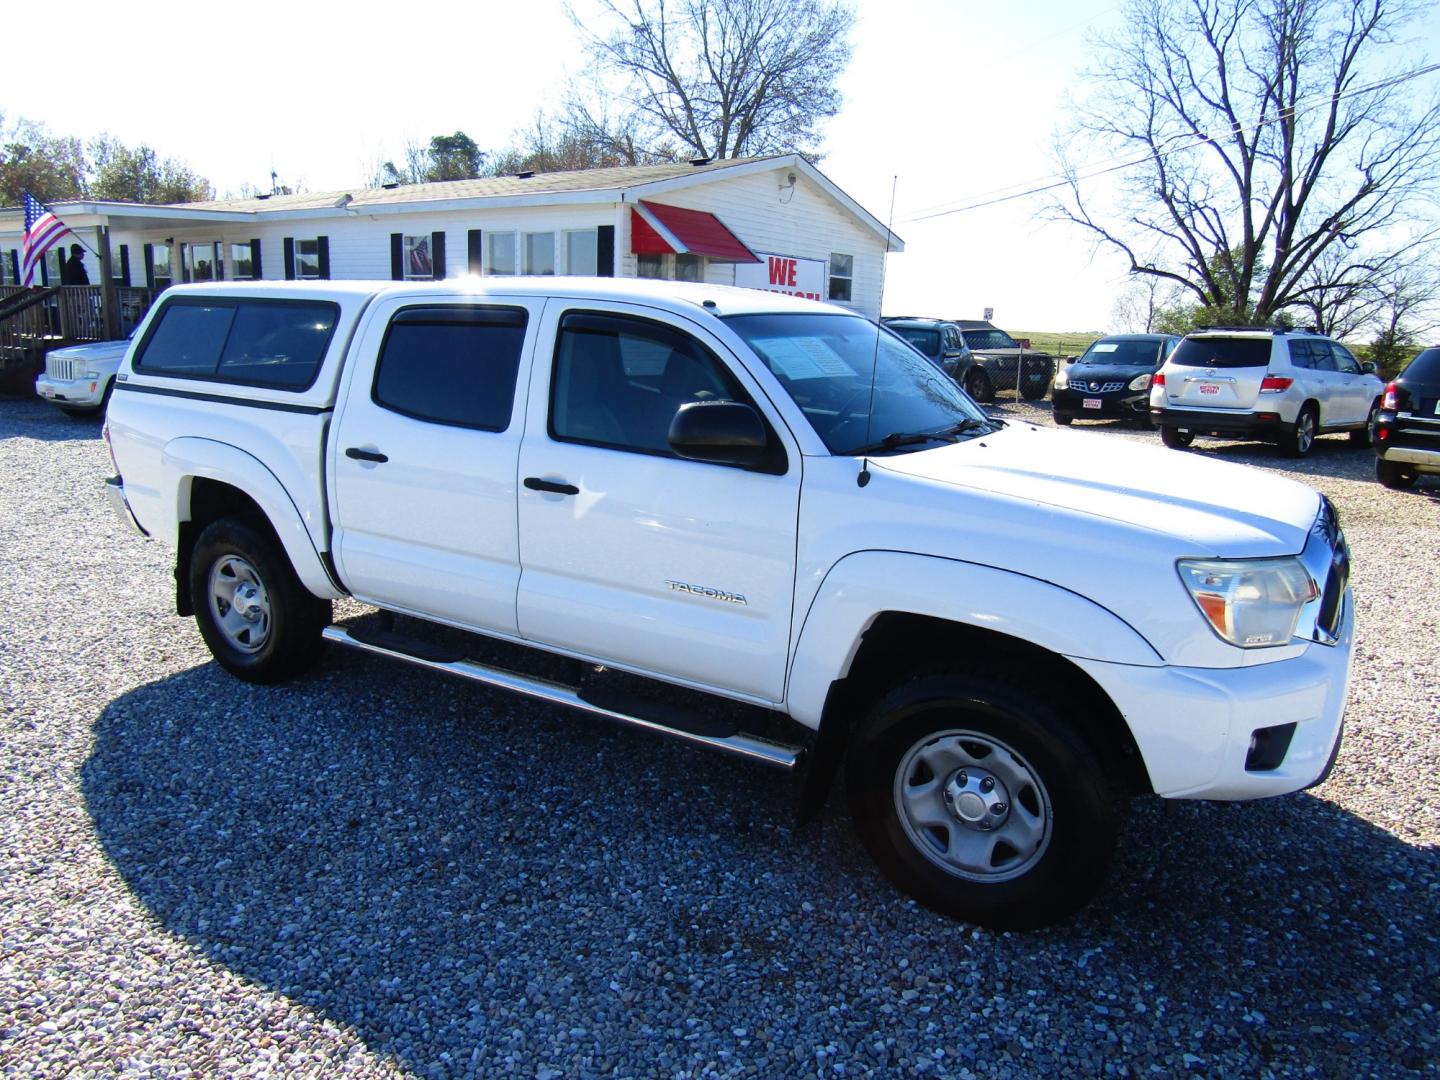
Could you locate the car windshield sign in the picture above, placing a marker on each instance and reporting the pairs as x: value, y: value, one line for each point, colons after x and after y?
x: 825, y: 363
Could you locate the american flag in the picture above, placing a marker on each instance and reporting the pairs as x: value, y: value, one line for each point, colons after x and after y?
x: 42, y: 230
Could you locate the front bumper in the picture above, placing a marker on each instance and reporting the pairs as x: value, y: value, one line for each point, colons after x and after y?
x: 72, y: 393
x: 1262, y: 425
x: 1127, y: 404
x: 1194, y: 726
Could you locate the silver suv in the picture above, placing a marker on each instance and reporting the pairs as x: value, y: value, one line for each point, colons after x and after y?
x: 1286, y: 386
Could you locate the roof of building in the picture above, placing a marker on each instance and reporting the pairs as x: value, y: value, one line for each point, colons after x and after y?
x: 623, y: 176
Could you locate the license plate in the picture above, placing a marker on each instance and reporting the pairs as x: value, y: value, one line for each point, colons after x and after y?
x: 46, y: 392
x: 1093, y: 403
x: 1209, y: 388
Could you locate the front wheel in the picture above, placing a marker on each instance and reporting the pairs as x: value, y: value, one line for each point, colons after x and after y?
x: 1176, y: 438
x: 258, y: 620
x: 979, y: 386
x: 982, y: 801
x: 1064, y: 419
x: 1033, y: 387
x: 1366, y: 435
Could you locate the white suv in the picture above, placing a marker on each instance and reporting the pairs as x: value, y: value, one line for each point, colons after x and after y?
x: 1287, y: 386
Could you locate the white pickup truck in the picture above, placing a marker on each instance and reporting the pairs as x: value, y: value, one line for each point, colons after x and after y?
x: 734, y: 498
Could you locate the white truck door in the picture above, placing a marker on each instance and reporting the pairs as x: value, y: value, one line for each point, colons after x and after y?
x: 633, y: 555
x: 423, y: 455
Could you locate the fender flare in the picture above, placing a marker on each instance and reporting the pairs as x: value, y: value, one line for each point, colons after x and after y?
x: 189, y: 457
x: 866, y: 584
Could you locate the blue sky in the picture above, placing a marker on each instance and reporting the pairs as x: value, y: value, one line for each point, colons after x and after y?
x: 946, y: 101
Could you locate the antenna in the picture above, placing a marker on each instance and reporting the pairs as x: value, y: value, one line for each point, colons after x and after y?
x: 864, y: 477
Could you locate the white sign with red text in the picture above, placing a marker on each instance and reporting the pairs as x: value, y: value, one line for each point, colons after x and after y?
x: 783, y: 274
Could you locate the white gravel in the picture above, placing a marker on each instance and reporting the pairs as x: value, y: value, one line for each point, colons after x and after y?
x: 376, y: 872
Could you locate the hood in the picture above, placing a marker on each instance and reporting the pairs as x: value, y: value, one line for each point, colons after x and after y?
x: 95, y: 350
x: 1216, y: 508
x: 1077, y: 373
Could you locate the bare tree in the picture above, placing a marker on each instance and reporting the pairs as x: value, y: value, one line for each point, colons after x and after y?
x: 1262, y: 137
x: 1140, y: 304
x: 727, y: 78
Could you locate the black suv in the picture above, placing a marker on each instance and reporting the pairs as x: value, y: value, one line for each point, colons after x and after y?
x: 940, y: 341
x: 1407, y: 430
x: 1111, y: 379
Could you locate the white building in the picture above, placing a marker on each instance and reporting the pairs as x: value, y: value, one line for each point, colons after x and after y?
x: 773, y: 222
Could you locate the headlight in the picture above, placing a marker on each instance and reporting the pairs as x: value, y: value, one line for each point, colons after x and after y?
x: 1062, y: 378
x: 1252, y: 603
x: 1140, y: 382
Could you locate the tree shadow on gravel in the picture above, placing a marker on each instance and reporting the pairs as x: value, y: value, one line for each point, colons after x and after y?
x: 476, y: 886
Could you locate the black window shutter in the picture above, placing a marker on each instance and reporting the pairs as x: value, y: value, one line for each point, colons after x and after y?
x: 477, y: 260
x: 322, y: 249
x: 125, y: 265
x: 437, y: 254
x: 289, y: 258
x: 255, y: 270
x: 397, y: 259
x: 149, y: 252
x: 605, y: 251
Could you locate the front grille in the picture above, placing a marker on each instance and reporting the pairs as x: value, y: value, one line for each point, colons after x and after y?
x: 61, y: 368
x: 1097, y: 387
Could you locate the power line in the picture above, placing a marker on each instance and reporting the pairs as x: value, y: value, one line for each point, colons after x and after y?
x: 1199, y: 141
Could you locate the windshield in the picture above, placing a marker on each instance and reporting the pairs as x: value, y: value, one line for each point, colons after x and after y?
x: 927, y: 341
x: 989, y: 339
x: 1122, y: 353
x: 825, y: 361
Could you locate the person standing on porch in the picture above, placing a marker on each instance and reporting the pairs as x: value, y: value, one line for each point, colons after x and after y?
x: 72, y: 270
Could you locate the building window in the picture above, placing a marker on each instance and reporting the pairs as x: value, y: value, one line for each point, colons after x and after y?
x: 242, y: 263
x: 164, y: 275
x: 650, y: 266
x: 500, y: 253
x: 7, y: 271
x: 202, y: 262
x: 415, y: 252
x: 307, y: 259
x: 582, y: 251
x: 689, y: 268
x: 540, y: 253
x: 842, y: 276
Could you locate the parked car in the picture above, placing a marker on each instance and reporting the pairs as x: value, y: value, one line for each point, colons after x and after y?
x: 1407, y: 431
x: 1007, y: 365
x: 1111, y: 379
x: 940, y: 341
x: 79, y: 378
x: 761, y: 501
x: 1284, y: 386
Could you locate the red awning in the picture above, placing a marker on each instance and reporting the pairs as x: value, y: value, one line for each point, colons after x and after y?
x: 656, y: 229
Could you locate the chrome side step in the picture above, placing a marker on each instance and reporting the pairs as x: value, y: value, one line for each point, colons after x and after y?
x: 744, y: 745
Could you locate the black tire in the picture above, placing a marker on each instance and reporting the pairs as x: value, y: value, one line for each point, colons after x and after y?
x: 1393, y: 475
x: 1366, y: 435
x: 979, y: 386
x: 1064, y: 419
x: 276, y: 634
x: 1060, y: 805
x: 1300, y: 439
x: 1033, y: 387
x: 1176, y: 438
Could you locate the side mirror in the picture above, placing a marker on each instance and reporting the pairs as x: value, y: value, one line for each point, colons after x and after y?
x: 720, y: 432
x: 1368, y: 366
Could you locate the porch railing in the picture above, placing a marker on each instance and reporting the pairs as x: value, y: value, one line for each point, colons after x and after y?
x: 68, y: 314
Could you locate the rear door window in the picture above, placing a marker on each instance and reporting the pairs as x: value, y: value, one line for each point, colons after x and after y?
x: 251, y: 341
x: 1212, y: 352
x: 452, y: 365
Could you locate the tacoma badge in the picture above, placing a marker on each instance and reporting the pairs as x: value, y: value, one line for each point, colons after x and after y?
x: 705, y: 590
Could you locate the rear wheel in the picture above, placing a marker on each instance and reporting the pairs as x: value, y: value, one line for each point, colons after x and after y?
x: 258, y: 620
x: 1176, y: 438
x: 1301, y: 436
x: 1393, y: 475
x: 979, y: 386
x: 981, y: 800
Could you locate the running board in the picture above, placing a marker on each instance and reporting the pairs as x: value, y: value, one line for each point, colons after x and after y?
x: 739, y: 743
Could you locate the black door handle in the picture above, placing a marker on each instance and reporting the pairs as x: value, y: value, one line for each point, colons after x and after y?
x: 365, y: 455
x: 534, y: 483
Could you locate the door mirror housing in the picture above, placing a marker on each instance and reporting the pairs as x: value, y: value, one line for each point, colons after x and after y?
x: 1368, y: 366
x: 720, y: 432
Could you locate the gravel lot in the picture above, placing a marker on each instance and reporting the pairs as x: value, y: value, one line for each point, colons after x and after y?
x: 377, y: 872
